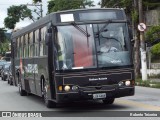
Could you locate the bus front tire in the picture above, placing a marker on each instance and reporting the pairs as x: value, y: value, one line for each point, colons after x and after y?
x: 48, y: 103
x: 108, y: 101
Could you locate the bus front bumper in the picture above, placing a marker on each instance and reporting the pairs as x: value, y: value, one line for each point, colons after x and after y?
x: 89, y: 95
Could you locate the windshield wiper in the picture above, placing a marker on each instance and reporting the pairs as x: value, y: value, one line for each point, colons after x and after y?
x: 83, y: 31
x: 103, y: 27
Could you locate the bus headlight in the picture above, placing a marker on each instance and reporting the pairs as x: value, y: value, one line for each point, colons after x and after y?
x: 74, y: 87
x: 121, y: 83
x: 67, y: 88
x: 127, y: 83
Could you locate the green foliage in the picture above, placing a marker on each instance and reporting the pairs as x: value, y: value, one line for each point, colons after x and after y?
x: 4, y: 47
x: 156, y: 50
x: 88, y: 3
x: 51, y: 5
x: 65, y: 5
x: 151, y: 4
x: 157, y: 76
x: 147, y: 83
x: 59, y: 5
x: 35, y: 1
x: 15, y: 13
x: 10, y: 22
x: 134, y: 14
x: 2, y: 35
x: 147, y: 4
x: 155, y: 85
x: 4, y: 43
x: 127, y: 4
x: 151, y: 35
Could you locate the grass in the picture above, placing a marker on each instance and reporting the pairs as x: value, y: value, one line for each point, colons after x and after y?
x: 155, y: 76
x: 147, y: 83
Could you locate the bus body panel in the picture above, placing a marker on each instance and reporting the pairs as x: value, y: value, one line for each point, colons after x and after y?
x: 28, y: 75
x: 90, y: 83
x: 32, y: 71
x: 41, y: 71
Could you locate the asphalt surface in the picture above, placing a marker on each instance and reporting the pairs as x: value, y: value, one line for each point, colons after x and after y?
x: 145, y: 99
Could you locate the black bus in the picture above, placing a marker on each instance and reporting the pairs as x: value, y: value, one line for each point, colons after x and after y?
x: 62, y: 58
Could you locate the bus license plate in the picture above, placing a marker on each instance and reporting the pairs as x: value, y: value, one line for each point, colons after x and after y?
x: 99, y: 95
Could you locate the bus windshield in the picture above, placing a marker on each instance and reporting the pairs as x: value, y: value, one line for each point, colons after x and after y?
x: 76, y: 50
x: 112, y: 44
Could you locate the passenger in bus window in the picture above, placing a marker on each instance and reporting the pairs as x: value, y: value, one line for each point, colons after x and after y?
x: 107, y: 47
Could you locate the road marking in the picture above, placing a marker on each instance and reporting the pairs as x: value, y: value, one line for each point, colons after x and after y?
x: 138, y: 104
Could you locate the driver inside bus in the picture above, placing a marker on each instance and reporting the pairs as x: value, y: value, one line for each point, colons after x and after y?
x: 107, y: 47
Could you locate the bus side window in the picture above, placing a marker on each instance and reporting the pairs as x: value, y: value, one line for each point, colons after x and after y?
x: 31, y: 44
x: 26, y: 46
x: 14, y: 44
x: 36, y: 48
x: 17, y: 46
x: 42, y: 41
x: 21, y: 47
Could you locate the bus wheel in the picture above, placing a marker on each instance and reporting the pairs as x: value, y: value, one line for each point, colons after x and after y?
x: 48, y: 103
x: 21, y: 91
x: 108, y: 101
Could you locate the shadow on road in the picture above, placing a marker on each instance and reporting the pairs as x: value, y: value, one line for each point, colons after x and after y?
x: 79, y: 106
x: 27, y: 102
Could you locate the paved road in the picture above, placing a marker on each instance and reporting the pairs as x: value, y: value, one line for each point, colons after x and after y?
x: 145, y: 99
x: 147, y: 96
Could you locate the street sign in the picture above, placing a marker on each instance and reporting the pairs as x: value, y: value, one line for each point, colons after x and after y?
x: 141, y: 27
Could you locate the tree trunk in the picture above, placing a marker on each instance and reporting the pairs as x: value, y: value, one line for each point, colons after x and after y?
x: 137, y: 62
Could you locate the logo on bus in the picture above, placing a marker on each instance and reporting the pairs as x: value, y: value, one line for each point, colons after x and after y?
x: 32, y: 68
x: 95, y: 79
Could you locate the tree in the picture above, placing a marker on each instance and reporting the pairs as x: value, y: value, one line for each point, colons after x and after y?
x: 4, y: 47
x: 59, y: 5
x: 151, y: 4
x: 36, y: 1
x: 2, y: 35
x: 15, y: 13
x: 51, y: 5
x: 3, y: 41
x: 147, y: 4
x: 152, y: 35
x: 136, y: 34
x: 127, y: 4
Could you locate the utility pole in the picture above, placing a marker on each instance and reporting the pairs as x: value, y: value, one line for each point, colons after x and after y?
x: 135, y: 22
x: 143, y: 47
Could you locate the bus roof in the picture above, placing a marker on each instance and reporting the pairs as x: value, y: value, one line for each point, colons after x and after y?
x: 52, y: 17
